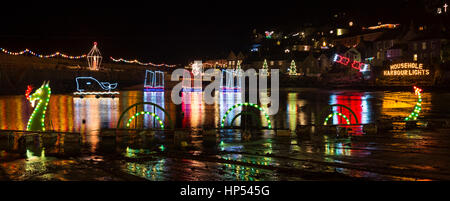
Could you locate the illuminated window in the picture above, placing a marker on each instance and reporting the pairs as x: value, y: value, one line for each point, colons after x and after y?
x: 415, y: 46
x: 350, y: 23
x: 415, y: 57
x: 280, y: 63
x: 272, y: 63
x: 424, y: 45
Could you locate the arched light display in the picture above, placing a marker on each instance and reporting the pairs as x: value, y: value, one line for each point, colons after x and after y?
x: 36, y: 122
x: 161, y: 124
x: 418, y: 107
x: 336, y: 114
x: 41, y: 55
x: 269, y: 123
x: 140, y: 63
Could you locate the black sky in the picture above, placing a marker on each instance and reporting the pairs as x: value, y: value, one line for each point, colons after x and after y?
x: 170, y: 32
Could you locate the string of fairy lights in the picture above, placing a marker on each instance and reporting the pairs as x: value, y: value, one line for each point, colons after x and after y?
x: 140, y: 63
x: 41, y: 55
x: 79, y: 57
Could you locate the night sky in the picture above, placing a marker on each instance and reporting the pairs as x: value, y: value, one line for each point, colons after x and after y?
x: 173, y: 32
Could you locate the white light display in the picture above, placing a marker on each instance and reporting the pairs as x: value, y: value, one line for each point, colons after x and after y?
x: 94, y: 58
x: 154, y: 81
x: 197, y: 68
x: 91, y: 86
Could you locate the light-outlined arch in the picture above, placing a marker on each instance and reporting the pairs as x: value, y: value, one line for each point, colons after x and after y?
x: 161, y: 124
x: 144, y: 103
x: 246, y: 104
x: 330, y: 108
x: 336, y: 114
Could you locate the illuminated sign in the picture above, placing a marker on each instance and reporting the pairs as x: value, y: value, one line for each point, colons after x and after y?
x: 406, y: 69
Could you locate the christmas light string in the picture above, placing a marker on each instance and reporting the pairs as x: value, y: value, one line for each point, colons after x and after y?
x: 346, y: 61
x: 140, y: 63
x: 40, y: 55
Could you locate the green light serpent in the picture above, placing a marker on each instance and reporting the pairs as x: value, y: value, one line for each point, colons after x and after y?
x: 36, y: 122
x: 418, y: 107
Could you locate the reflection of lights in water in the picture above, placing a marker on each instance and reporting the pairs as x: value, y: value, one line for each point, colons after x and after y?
x: 336, y: 148
x: 14, y: 113
x: 230, y: 147
x: 291, y: 110
x: 157, y: 98
x: 149, y: 170
x: 399, y: 104
x: 98, y: 113
x: 268, y: 147
x: 265, y: 99
x: 357, y: 101
x: 294, y: 145
x: 243, y: 172
x: 193, y: 108
x: 227, y: 100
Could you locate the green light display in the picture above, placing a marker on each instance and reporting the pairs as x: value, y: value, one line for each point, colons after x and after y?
x: 336, y: 114
x: 269, y: 123
x: 418, y: 107
x: 161, y: 124
x: 36, y: 122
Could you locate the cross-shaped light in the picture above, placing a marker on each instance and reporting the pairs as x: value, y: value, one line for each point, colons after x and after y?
x: 445, y: 7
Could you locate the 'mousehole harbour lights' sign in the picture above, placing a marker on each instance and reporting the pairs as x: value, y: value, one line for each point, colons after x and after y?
x: 407, y: 69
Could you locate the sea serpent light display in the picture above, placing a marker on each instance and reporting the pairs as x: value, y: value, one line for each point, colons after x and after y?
x: 37, y: 118
x: 418, y: 107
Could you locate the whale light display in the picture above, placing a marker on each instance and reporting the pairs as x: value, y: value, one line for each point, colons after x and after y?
x: 91, y: 86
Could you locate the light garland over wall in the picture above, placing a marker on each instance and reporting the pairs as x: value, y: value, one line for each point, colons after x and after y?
x: 140, y: 63
x: 42, y: 56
